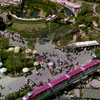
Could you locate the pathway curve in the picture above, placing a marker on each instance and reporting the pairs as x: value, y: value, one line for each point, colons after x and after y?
x: 70, y: 5
x: 94, y: 10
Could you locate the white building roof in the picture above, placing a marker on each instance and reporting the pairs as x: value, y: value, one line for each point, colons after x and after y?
x: 86, y: 43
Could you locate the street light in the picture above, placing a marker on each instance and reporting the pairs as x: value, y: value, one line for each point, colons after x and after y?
x: 49, y: 26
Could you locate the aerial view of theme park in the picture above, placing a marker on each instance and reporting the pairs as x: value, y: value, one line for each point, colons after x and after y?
x: 49, y: 49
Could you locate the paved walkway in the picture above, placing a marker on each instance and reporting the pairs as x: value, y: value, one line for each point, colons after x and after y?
x: 70, y: 5
x: 11, y: 84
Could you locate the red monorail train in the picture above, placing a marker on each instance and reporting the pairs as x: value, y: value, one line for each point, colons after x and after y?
x: 61, y: 79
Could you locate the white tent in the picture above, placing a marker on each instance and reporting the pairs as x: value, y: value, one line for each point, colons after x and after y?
x: 2, y: 70
x: 25, y: 69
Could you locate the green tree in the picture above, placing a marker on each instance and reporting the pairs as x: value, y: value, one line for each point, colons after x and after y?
x: 4, y: 54
x: 75, y: 29
x: 4, y: 43
x: 2, y: 24
x: 80, y: 20
x: 31, y: 44
x: 21, y: 57
x: 13, y: 64
x: 95, y: 18
x: 97, y: 53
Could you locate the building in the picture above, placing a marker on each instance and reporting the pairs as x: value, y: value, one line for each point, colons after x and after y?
x: 9, y: 2
x: 84, y: 44
x: 91, y: 94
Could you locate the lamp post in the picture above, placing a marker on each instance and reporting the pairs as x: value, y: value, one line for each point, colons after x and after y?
x: 49, y: 27
x: 58, y: 95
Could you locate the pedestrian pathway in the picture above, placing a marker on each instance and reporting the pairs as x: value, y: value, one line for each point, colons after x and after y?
x: 13, y: 84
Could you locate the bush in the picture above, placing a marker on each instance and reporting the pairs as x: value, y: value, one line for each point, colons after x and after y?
x: 4, y: 43
x: 31, y: 44
x: 30, y: 5
x: 99, y: 25
x: 95, y: 19
x: 19, y: 94
x: 10, y: 97
x: 97, y: 52
x: 2, y: 24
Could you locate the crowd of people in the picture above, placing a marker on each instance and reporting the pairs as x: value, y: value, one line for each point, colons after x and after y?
x: 31, y: 83
x: 58, y: 66
x: 11, y: 35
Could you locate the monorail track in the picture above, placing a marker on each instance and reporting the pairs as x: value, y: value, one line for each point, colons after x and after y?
x: 66, y: 83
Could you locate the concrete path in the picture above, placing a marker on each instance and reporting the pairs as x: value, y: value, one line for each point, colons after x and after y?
x: 12, y: 84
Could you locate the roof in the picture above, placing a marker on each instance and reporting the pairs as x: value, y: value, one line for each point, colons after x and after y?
x: 86, y: 43
x: 91, y: 93
x: 82, y: 25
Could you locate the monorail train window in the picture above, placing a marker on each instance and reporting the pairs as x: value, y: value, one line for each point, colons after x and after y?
x: 97, y: 64
x: 89, y: 68
x: 42, y: 93
x: 61, y: 84
x: 76, y: 75
x: 93, y: 66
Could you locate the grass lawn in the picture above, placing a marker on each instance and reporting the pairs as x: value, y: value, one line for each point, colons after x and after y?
x: 29, y: 27
x: 51, y: 25
x: 94, y: 35
x: 24, y: 33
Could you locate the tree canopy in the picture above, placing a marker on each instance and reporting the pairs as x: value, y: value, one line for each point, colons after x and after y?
x: 2, y: 24
x: 97, y: 53
x: 4, y: 43
x: 13, y: 64
x: 97, y: 1
x: 31, y: 44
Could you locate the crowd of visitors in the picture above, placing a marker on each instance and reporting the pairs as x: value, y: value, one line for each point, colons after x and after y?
x: 57, y: 66
x: 11, y: 35
x: 53, y: 62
